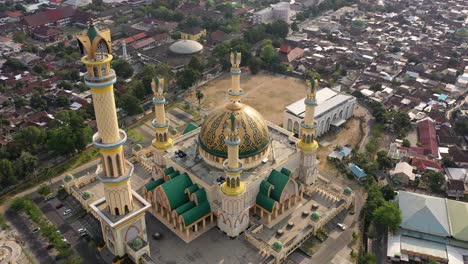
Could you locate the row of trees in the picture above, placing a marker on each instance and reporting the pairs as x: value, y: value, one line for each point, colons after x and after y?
x: 68, y: 135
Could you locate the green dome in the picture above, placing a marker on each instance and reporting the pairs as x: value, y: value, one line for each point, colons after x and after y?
x: 137, y: 147
x: 314, y: 216
x: 86, y: 195
x: 277, y: 246
x: 347, y: 191
x: 69, y: 177
x: 137, y: 242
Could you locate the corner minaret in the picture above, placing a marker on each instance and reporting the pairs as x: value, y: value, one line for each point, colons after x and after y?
x: 235, y: 92
x: 233, y: 216
x: 109, y: 139
x: 161, y: 141
x: 307, y: 144
x: 121, y: 209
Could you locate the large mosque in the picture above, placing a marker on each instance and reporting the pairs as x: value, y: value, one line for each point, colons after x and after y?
x: 235, y: 171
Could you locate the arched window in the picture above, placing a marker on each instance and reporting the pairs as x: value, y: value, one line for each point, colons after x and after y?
x: 237, y: 182
x: 289, y: 127
x: 126, y: 209
x: 116, y: 211
x: 96, y: 71
x: 119, y: 164
x: 111, y: 167
x: 160, y: 138
x: 165, y: 137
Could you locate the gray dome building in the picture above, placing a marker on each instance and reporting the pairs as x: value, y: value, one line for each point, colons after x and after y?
x: 186, y: 47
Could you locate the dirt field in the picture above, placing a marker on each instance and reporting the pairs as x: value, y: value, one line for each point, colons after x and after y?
x: 267, y: 93
x: 349, y: 134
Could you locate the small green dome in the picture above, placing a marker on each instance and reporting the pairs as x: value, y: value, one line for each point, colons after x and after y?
x: 314, y: 216
x: 92, y: 32
x: 69, y: 177
x: 86, y: 195
x: 137, y: 147
x: 347, y: 191
x: 137, y: 242
x: 277, y: 246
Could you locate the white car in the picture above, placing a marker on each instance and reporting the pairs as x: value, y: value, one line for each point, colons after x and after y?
x: 82, y: 230
x: 341, y: 226
x: 67, y: 212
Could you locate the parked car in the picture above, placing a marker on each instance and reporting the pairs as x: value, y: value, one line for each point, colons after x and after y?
x: 48, y: 198
x: 58, y: 206
x: 67, y: 212
x: 341, y: 226
x: 35, y: 230
x: 58, y: 232
x: 82, y: 230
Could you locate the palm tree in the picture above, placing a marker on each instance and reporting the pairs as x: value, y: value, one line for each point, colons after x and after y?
x: 338, y: 148
x: 199, y: 96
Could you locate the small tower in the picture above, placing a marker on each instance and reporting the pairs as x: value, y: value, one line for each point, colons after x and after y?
x: 124, y: 51
x: 234, y: 213
x: 161, y: 141
x: 307, y: 144
x: 235, y: 92
x: 121, y: 209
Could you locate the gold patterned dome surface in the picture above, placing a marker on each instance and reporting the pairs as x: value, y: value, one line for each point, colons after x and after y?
x: 253, y: 131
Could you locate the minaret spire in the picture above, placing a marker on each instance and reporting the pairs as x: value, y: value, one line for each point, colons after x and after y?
x: 235, y: 93
x: 307, y: 144
x: 233, y: 166
x: 161, y: 141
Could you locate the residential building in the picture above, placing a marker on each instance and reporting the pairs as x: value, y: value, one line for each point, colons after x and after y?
x: 194, y: 33
x: 402, y: 173
x: 280, y: 11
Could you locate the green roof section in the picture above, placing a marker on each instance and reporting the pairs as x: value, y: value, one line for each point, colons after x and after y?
x: 286, y: 172
x: 92, y: 32
x: 265, y: 202
x: 175, y: 190
x: 193, y: 189
x: 168, y: 170
x: 458, y: 216
x: 189, y: 128
x: 173, y: 174
x: 69, y: 177
x: 192, y: 215
x: 279, y: 180
x: 266, y: 188
x: 185, y: 207
x: 153, y: 184
x: 277, y: 246
x: 201, y: 196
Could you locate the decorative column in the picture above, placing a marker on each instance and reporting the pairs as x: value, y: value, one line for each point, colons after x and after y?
x: 161, y: 141
x: 109, y: 139
x: 307, y: 144
x: 233, y: 195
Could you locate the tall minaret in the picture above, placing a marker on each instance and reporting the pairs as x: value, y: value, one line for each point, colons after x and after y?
x: 109, y: 139
x: 124, y: 51
x: 234, y: 212
x: 235, y: 92
x: 307, y: 144
x: 161, y: 141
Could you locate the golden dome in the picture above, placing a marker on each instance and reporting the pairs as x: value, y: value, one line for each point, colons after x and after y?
x: 253, y: 131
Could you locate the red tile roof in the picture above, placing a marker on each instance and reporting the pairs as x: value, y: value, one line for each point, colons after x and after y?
x: 46, y: 31
x: 134, y: 38
x: 14, y: 14
x: 49, y: 16
x: 424, y: 164
x: 428, y: 137
x: 161, y: 37
x: 285, y: 48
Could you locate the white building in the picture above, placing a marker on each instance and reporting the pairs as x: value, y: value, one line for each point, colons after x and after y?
x: 333, y: 109
x: 279, y: 11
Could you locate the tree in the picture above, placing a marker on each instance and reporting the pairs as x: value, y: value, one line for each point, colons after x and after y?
x: 30, y: 138
x: 196, y: 63
x: 435, y: 180
x: 312, y: 75
x: 338, y: 148
x: 406, y: 143
x: 131, y: 104
x: 388, y: 192
x: 383, y: 160
x: 448, y: 163
x: 122, y: 68
x: 368, y: 258
x: 61, y: 140
x: 294, y: 26
x: 19, y: 37
x: 63, y: 101
x: 44, y: 190
x: 376, y: 87
x: 187, y: 77
x: 138, y: 90
x: 255, y: 64
x: 199, y: 96
x: 388, y: 216
x: 39, y: 69
x: 14, y: 65
x: 37, y: 102
x: 268, y: 53
x: 7, y: 173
